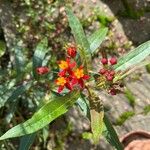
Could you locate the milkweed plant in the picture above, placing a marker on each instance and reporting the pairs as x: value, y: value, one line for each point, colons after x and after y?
x: 77, y: 77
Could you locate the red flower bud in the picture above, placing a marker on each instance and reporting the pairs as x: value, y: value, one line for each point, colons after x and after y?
x: 71, y: 51
x: 109, y: 77
x: 42, y: 70
x: 113, y: 61
x: 104, y: 61
x: 112, y: 73
x: 102, y: 71
x: 113, y: 91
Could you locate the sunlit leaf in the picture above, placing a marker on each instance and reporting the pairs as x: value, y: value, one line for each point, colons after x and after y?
x: 96, y: 124
x: 97, y: 114
x: 44, y: 116
x: 96, y: 39
x: 133, y: 57
x: 80, y: 38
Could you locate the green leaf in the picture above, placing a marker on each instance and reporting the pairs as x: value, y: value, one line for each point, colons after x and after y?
x: 80, y: 38
x: 2, y: 48
x: 133, y: 57
x: 97, y: 124
x: 12, y: 100
x: 39, y: 55
x: 83, y: 105
x: 45, y: 135
x: 96, y: 115
x: 44, y: 116
x: 26, y: 141
x: 111, y: 135
x: 96, y: 39
x: 9, y: 93
x: 19, y: 91
x: 19, y: 61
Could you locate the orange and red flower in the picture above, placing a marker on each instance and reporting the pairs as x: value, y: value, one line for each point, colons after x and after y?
x: 66, y: 67
x: 63, y: 82
x: 79, y: 77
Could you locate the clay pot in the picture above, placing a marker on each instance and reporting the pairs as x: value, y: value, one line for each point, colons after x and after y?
x: 136, y: 140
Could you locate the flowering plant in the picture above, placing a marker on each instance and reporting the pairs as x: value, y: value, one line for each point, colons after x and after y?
x: 76, y: 76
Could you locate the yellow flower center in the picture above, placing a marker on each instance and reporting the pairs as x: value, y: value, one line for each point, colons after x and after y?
x: 61, y: 81
x: 63, y: 64
x: 79, y: 73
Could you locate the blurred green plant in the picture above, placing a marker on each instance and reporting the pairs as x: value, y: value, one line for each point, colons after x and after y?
x: 130, y: 97
x: 148, y: 68
x: 146, y: 109
x: 123, y: 117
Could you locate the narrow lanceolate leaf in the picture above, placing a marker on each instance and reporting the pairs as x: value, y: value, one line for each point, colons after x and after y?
x: 96, y: 39
x: 80, y: 38
x: 97, y: 114
x: 44, y: 116
x: 83, y: 105
x: 6, y: 91
x: 97, y: 124
x: 111, y: 135
x: 39, y: 55
x: 133, y: 57
x: 26, y: 141
x: 19, y: 61
x: 19, y: 91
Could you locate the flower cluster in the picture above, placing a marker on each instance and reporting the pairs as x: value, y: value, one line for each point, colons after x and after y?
x: 108, y: 74
x: 70, y: 75
x: 107, y: 71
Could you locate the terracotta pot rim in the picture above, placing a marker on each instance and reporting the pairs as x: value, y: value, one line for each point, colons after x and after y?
x: 137, y: 132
